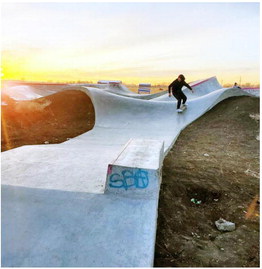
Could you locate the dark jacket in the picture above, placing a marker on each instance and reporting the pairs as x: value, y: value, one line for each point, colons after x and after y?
x: 177, y: 86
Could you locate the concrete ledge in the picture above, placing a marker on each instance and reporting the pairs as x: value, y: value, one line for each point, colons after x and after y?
x: 137, y: 169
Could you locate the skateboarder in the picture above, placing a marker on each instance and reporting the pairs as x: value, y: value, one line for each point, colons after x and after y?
x: 176, y: 87
x: 236, y: 86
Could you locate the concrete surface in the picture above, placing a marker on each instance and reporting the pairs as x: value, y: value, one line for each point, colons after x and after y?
x: 54, y: 212
x: 50, y: 228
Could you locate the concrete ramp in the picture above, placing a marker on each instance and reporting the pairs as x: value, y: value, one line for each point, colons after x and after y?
x: 252, y: 91
x: 22, y: 92
x: 201, y: 88
x: 29, y: 91
x: 92, y: 201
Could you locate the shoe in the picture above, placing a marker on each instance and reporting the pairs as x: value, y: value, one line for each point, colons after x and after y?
x: 179, y: 110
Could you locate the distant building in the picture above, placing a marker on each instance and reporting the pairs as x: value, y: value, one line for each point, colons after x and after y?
x: 144, y: 88
x: 111, y: 82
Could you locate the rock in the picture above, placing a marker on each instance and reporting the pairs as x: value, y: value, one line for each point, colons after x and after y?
x: 224, y: 225
x: 252, y: 173
x: 206, y: 155
x: 255, y: 116
x: 46, y: 142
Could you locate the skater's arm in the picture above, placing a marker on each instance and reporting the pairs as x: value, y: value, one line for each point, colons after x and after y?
x: 188, y: 86
x: 170, y: 87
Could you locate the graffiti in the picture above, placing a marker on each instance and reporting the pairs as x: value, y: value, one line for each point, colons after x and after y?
x: 129, y: 178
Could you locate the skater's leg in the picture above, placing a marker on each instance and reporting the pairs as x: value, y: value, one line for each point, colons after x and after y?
x: 182, y: 96
x: 179, y: 99
x: 178, y: 103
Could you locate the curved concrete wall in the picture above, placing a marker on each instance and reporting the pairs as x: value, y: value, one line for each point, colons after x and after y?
x: 118, y: 119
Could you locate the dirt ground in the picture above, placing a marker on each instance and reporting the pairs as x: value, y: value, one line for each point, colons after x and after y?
x: 214, y: 161
x: 51, y: 119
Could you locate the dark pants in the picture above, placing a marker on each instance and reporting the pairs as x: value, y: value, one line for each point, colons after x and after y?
x: 179, y: 95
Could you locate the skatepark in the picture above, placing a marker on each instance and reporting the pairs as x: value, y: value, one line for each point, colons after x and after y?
x: 71, y: 204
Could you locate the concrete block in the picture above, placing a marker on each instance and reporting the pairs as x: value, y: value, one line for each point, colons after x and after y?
x: 137, y: 169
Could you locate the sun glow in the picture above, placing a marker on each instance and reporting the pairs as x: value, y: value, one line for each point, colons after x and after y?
x: 5, y: 132
x: 138, y: 42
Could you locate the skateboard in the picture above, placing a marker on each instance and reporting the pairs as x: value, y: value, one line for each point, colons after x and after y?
x: 183, y: 109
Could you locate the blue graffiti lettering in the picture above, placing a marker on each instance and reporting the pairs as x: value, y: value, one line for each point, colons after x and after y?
x: 116, y: 181
x: 138, y: 179
x: 129, y: 179
x: 142, y: 179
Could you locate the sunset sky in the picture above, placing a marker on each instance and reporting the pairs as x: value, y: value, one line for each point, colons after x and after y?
x: 133, y: 42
